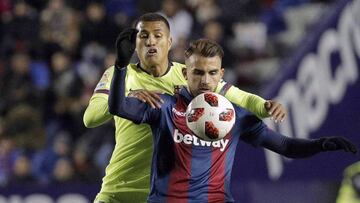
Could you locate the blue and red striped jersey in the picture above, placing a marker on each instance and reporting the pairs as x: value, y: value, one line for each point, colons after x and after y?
x: 185, y: 168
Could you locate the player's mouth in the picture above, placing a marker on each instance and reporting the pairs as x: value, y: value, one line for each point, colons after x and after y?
x: 203, y: 90
x: 151, y: 52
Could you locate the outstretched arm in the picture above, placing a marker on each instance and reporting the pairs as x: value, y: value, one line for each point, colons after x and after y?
x: 293, y: 147
x: 302, y: 148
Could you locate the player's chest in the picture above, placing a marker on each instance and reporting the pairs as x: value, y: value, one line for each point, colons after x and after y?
x: 185, y: 140
x: 165, y: 85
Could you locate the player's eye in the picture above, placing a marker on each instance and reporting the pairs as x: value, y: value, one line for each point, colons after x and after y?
x: 214, y: 72
x: 143, y: 35
x: 198, y: 72
x: 158, y: 35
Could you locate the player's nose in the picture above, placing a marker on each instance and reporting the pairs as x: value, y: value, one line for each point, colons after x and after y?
x: 150, y: 41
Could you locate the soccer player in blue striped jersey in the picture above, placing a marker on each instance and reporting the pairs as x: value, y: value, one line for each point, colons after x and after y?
x: 185, y: 168
x: 127, y: 176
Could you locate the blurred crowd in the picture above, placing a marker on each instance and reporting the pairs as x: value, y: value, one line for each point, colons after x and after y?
x: 53, y: 52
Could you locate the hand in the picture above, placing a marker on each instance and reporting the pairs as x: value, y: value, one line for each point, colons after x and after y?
x: 275, y: 110
x: 337, y: 143
x: 150, y: 97
x: 125, y: 47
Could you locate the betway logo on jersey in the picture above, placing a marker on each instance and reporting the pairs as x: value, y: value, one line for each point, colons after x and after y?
x: 192, y: 139
x: 178, y: 113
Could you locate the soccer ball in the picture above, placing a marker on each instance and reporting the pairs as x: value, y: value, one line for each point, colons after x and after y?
x: 210, y: 116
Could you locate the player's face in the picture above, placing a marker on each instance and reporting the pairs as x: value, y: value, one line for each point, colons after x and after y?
x: 153, y: 43
x: 203, y: 73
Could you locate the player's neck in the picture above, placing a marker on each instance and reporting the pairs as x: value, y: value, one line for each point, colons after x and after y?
x: 156, y: 70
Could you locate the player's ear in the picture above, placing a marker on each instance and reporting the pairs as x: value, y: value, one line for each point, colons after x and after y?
x: 184, y: 72
x: 222, y: 71
x: 170, y: 42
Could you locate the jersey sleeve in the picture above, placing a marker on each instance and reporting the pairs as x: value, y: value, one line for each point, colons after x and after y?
x: 255, y: 132
x: 246, y: 100
x: 127, y: 107
x: 97, y: 111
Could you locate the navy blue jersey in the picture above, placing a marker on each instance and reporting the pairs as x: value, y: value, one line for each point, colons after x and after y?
x: 185, y: 168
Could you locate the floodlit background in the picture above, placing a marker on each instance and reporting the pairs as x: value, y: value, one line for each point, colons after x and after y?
x: 303, y: 53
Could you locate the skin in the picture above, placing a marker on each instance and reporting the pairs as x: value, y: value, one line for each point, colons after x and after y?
x: 202, y: 73
x: 153, y: 36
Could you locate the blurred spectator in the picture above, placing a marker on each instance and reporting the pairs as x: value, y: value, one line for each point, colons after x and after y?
x: 240, y: 10
x: 23, y: 124
x: 83, y: 165
x: 250, y: 36
x: 177, y: 15
x: 21, y: 31
x: 90, y: 68
x: 8, y: 154
x: 45, y: 160
x: 97, y: 27
x: 177, y: 52
x: 40, y: 74
x: 22, y: 171
x: 63, y: 98
x: 17, y: 84
x: 123, y: 11
x: 60, y: 25
x: 145, y: 6
x: 214, y: 30
x: 109, y: 60
x: 206, y: 10
x: 63, y: 171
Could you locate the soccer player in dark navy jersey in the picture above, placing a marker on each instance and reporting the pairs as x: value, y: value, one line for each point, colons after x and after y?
x: 185, y: 168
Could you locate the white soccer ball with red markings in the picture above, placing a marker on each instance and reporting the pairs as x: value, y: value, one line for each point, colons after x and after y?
x: 210, y: 116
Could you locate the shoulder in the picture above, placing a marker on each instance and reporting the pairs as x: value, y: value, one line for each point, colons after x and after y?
x: 176, y: 72
x: 168, y: 98
x: 177, y: 65
x: 105, y: 80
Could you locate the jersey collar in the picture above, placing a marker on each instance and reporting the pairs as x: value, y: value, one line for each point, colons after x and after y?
x: 168, y: 69
x: 185, y: 94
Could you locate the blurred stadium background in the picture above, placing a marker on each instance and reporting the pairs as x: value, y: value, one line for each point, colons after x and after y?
x: 304, y: 53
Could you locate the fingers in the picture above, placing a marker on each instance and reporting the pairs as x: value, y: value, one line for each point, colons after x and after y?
x: 278, y: 114
x: 127, y: 34
x: 267, y: 105
x: 337, y: 143
x: 348, y: 146
x: 151, y: 98
x: 276, y: 110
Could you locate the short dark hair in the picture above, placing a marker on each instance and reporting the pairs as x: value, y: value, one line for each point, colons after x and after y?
x: 204, y: 47
x: 150, y: 17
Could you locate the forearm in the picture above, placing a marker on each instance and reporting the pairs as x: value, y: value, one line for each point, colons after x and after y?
x: 290, y: 147
x: 97, y: 112
x: 251, y: 102
x: 120, y: 105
